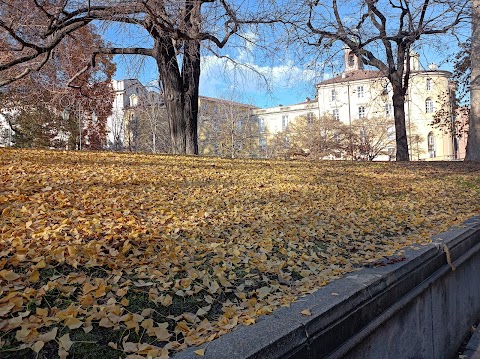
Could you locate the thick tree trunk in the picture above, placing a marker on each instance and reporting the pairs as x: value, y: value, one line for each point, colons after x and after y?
x: 400, y: 128
x: 191, y: 74
x: 164, y: 53
x: 473, y: 144
x: 191, y: 81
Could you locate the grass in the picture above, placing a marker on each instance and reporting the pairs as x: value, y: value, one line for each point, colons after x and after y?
x: 206, y: 244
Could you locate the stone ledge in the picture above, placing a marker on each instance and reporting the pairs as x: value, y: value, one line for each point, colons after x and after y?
x: 366, y: 300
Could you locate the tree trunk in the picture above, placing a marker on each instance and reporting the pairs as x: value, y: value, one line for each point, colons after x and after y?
x: 164, y: 53
x: 473, y: 142
x: 400, y: 128
x: 191, y: 81
x: 191, y: 74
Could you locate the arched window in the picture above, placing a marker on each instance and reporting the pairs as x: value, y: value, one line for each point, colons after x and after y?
x: 428, y: 105
x: 431, y: 144
x: 133, y: 100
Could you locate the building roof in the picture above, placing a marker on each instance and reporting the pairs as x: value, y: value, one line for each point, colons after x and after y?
x: 226, y: 102
x: 373, y: 74
x: 353, y: 76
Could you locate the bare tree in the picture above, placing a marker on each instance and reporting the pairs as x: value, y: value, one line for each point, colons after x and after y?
x: 382, y: 34
x: 320, y: 138
x: 153, y: 130
x: 178, y: 30
x: 116, y: 129
x: 372, y: 137
x: 228, y: 129
x: 473, y: 142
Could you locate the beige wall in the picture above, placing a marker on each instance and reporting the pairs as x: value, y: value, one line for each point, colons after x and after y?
x: 374, y: 99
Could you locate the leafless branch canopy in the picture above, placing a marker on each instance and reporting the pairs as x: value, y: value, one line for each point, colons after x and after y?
x: 30, y: 30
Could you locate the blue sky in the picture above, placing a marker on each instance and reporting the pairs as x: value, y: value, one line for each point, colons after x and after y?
x: 261, y: 81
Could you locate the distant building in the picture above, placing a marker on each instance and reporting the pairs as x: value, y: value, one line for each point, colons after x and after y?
x: 6, y: 133
x: 361, y: 94
x: 227, y: 128
x: 125, y: 126
x: 139, y: 123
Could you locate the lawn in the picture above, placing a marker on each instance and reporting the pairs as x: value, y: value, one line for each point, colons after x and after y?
x: 122, y: 255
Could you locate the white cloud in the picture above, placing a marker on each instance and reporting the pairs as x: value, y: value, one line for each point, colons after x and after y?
x: 221, y: 76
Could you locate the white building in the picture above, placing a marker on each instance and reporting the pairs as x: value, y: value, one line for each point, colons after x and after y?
x: 6, y: 133
x: 129, y: 94
x: 358, y: 94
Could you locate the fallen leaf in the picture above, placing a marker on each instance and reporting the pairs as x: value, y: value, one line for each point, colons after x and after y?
x: 306, y: 312
x: 200, y: 352
x: 38, y: 346
x: 65, y: 342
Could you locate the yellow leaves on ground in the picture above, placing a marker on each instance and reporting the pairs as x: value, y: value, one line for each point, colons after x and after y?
x: 165, y: 252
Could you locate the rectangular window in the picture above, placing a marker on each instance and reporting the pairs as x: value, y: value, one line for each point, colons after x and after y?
x: 261, y: 123
x: 336, y: 114
x: 310, y: 118
x: 334, y: 95
x: 362, y: 112
x: 429, y: 106
x: 360, y: 92
x: 388, y: 110
x: 429, y: 84
x: 284, y: 122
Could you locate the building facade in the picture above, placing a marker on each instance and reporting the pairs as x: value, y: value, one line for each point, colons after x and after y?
x: 227, y: 129
x: 139, y: 123
x: 137, y: 119
x: 358, y: 93
x: 358, y: 96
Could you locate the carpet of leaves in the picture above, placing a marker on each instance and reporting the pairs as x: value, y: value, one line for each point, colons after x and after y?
x: 136, y: 256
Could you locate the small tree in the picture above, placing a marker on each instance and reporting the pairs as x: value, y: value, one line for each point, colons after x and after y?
x: 321, y: 138
x: 372, y: 137
x: 228, y: 129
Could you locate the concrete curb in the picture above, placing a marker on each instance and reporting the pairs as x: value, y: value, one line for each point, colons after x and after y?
x: 365, y: 300
x: 472, y: 350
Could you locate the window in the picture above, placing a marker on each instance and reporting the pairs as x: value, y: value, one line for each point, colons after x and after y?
x: 428, y: 105
x: 361, y: 112
x: 388, y: 110
x: 360, y: 92
x: 351, y: 60
x: 133, y: 100
x: 431, y: 144
x: 429, y: 84
x: 391, y: 133
x: 261, y: 123
x: 284, y: 122
x: 334, y: 95
x: 310, y: 118
x: 385, y: 88
x: 336, y: 114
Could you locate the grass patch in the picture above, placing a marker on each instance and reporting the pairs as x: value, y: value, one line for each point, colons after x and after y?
x: 205, y: 244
